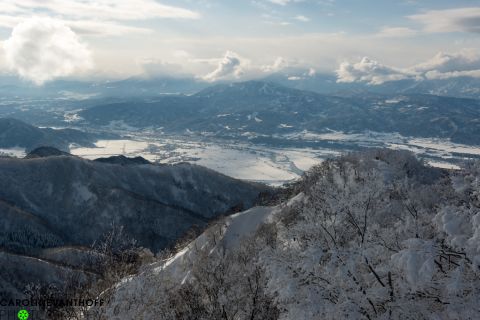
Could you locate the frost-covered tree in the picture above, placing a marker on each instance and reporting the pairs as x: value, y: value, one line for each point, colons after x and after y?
x: 378, y: 235
x: 371, y: 235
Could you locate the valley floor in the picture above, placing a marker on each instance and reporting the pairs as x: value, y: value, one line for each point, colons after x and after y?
x: 272, y: 165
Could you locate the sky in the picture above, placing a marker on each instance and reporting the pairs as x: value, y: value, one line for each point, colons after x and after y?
x: 373, y: 41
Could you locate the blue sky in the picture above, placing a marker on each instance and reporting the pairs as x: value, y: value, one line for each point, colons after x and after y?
x: 226, y: 39
x: 240, y: 18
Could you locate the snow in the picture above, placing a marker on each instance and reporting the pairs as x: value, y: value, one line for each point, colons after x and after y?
x: 107, y: 148
x: 177, y: 268
x: 81, y: 193
x: 238, y: 226
x: 274, y: 166
x: 454, y: 224
x: 16, y: 152
x: 392, y: 101
x: 243, y: 161
x: 443, y: 165
x: 419, y: 259
x: 416, y: 261
x: 244, y: 224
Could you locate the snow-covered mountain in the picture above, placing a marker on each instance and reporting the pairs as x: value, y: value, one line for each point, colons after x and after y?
x: 264, y: 109
x: 376, y: 235
x: 55, y: 200
x: 302, y: 79
x: 326, y: 83
x: 15, y: 133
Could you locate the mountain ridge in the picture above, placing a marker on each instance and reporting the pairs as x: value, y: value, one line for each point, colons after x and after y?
x: 255, y: 108
x: 16, y: 133
x: 62, y: 201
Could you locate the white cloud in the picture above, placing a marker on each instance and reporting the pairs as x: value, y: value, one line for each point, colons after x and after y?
x: 444, y: 65
x: 465, y: 63
x: 9, y: 21
x: 103, y: 28
x: 454, y: 74
x: 396, y: 32
x: 42, y: 49
x: 284, y: 2
x: 84, y: 27
x: 302, y: 18
x: 464, y: 60
x: 230, y: 66
x: 158, y: 68
x: 294, y: 69
x: 369, y: 71
x: 98, y: 9
x: 279, y: 64
x: 280, y: 2
x: 92, y: 17
x: 450, y: 20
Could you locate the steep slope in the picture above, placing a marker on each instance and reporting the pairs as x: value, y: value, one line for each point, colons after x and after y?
x: 79, y: 200
x: 15, y: 133
x: 376, y: 235
x: 157, y: 279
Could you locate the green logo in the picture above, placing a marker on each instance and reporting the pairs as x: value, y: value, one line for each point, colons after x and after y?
x: 22, y: 315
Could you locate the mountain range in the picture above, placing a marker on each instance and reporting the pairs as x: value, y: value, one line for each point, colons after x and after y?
x: 459, y: 87
x: 324, y: 83
x: 250, y: 109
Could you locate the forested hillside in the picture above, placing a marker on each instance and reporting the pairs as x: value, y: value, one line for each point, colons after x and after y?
x: 57, y: 209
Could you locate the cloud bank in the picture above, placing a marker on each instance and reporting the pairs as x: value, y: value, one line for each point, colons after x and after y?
x: 283, y: 2
x: 396, y: 32
x: 465, y: 63
x: 93, y: 17
x: 98, y: 9
x: 158, y: 68
x: 279, y: 64
x: 370, y: 71
x: 280, y: 2
x: 450, y: 20
x: 42, y: 49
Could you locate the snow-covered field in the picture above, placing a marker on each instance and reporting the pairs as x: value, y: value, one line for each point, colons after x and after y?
x: 240, y: 160
x: 274, y: 166
x: 13, y: 152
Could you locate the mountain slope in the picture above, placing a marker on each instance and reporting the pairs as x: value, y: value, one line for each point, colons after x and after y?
x: 15, y: 133
x: 460, y: 87
x: 54, y: 207
x: 79, y: 200
x: 252, y: 109
x: 376, y: 235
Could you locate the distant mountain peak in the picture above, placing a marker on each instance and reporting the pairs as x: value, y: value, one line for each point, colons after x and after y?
x: 247, y: 88
x: 11, y: 123
x: 124, y: 161
x: 16, y: 133
x: 45, y: 152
